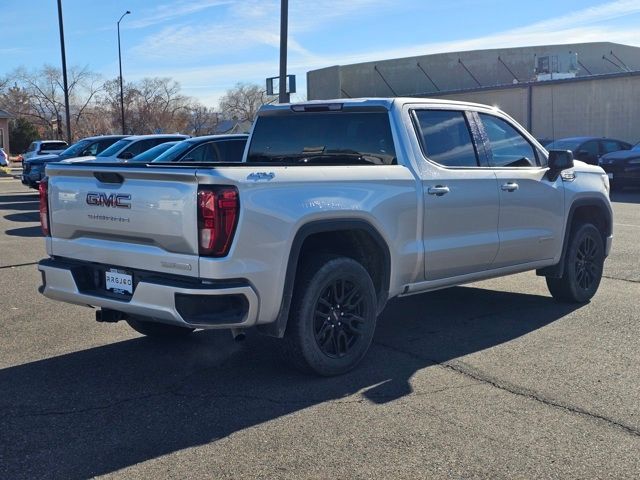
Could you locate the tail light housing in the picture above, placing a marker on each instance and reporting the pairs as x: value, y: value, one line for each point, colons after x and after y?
x: 218, y: 210
x: 43, y: 188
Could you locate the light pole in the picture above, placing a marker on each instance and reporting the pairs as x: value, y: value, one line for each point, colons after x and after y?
x: 64, y: 72
x: 120, y: 63
x: 284, y: 14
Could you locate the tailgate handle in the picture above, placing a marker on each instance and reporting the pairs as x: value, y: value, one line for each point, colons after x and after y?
x: 108, y: 177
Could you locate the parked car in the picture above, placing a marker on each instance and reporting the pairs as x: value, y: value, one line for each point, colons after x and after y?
x: 544, y: 141
x: 589, y: 149
x: 33, y: 168
x: 337, y: 207
x: 153, y: 153
x: 623, y: 167
x: 44, y: 147
x: 129, y: 147
x: 4, y: 158
x: 210, y: 148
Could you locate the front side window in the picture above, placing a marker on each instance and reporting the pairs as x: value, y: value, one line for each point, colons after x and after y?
x: 202, y: 153
x: 445, y: 138
x: 508, y: 147
x: 138, y: 147
x: 312, y: 138
x: 115, y: 148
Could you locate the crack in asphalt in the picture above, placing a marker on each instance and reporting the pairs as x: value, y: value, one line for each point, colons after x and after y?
x: 469, y: 372
x: 621, y: 279
x: 18, y: 265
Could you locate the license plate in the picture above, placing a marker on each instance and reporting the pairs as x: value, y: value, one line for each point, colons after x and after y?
x: 610, y: 175
x: 119, y: 281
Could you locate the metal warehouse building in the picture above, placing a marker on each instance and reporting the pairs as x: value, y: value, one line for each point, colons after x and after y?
x: 554, y: 91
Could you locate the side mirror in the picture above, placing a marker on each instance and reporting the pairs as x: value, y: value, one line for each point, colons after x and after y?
x: 559, y: 160
x: 126, y: 156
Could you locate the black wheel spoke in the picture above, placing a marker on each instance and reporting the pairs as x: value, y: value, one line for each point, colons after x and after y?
x: 340, y: 316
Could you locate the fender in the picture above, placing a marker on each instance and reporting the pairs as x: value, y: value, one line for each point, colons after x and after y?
x: 557, y: 270
x: 277, y: 328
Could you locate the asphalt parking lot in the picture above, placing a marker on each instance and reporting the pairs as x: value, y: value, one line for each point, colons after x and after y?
x: 490, y: 380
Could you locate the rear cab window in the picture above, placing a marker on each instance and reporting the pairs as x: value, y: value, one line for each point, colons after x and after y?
x: 333, y: 137
x: 445, y: 137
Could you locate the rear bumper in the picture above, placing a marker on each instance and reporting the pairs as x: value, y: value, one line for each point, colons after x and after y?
x: 161, y: 299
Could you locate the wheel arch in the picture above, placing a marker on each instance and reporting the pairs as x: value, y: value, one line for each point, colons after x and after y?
x: 350, y: 232
x: 582, y: 210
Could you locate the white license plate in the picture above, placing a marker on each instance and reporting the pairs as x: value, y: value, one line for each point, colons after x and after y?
x: 118, y: 281
x: 610, y: 175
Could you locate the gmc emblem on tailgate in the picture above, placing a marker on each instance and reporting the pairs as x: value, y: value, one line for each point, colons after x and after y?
x: 115, y: 200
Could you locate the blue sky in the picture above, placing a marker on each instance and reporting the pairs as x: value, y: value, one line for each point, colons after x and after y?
x: 209, y: 45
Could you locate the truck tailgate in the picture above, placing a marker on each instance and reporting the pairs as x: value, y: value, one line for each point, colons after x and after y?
x: 141, y: 218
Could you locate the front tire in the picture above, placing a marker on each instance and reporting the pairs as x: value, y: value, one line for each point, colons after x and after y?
x: 333, y: 316
x: 157, y: 330
x: 584, y: 262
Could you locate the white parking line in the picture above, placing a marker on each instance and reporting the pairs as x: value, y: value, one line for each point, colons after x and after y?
x: 625, y: 225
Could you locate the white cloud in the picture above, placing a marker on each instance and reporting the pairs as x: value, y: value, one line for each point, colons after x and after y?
x: 249, y: 27
x: 168, y: 12
x: 244, y: 25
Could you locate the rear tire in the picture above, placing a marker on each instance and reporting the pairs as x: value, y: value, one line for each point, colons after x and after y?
x: 157, y: 330
x: 333, y: 316
x: 584, y: 261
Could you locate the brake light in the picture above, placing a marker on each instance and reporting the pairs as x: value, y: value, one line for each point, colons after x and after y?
x: 217, y: 219
x: 43, y: 188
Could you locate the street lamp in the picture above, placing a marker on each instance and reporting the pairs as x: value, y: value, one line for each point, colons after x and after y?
x: 120, y: 63
x: 284, y: 20
x: 64, y: 72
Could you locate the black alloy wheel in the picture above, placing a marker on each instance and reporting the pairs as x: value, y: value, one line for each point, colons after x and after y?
x: 583, y: 265
x: 339, y: 317
x: 586, y: 268
x: 332, y: 318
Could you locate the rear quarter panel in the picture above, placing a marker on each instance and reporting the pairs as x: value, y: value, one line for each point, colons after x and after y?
x: 275, y: 207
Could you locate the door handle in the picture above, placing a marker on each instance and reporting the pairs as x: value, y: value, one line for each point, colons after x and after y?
x: 509, y: 187
x: 438, y: 190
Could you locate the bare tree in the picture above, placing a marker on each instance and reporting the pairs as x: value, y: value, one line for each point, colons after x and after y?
x: 243, y: 101
x: 202, y: 120
x: 39, y: 96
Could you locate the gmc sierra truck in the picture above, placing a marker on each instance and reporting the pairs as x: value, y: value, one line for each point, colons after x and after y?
x: 337, y: 207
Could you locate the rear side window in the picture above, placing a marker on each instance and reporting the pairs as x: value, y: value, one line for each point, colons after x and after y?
x: 445, y: 138
x: 348, y: 138
x: 508, y: 147
x: 231, y: 150
x: 609, y: 146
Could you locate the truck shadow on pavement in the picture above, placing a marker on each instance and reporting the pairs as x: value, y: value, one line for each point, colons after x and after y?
x: 99, y: 410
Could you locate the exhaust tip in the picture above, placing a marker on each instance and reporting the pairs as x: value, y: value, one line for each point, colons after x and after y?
x: 238, y: 335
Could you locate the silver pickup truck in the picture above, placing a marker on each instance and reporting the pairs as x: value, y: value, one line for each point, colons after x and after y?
x: 337, y: 207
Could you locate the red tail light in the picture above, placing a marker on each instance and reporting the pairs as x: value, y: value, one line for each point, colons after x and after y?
x: 218, y: 210
x: 43, y: 188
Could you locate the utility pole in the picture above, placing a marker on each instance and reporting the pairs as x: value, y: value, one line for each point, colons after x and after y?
x: 120, y: 64
x: 284, y: 19
x: 64, y: 73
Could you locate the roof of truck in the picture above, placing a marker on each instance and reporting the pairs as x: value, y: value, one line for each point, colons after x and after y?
x: 373, y: 102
